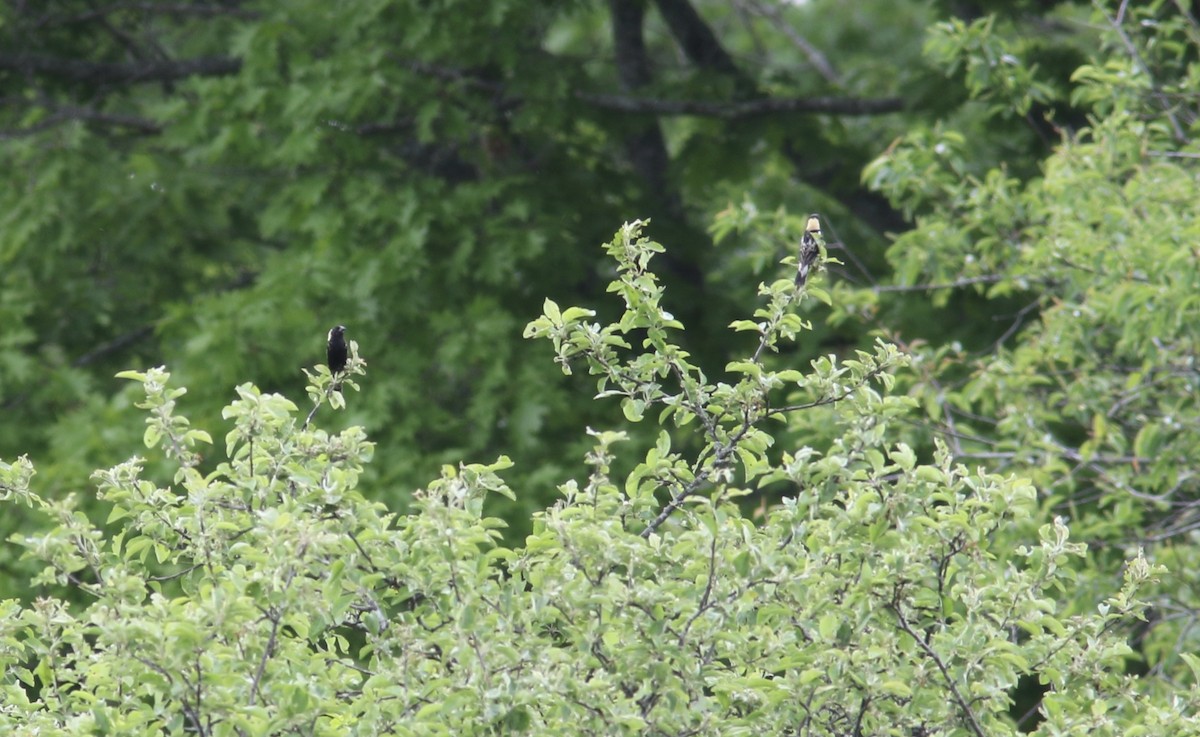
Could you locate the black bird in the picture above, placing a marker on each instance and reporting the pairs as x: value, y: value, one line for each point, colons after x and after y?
x: 335, y: 350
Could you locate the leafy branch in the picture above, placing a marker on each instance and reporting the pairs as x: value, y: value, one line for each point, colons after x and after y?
x: 729, y: 414
x: 327, y: 387
x: 963, y: 704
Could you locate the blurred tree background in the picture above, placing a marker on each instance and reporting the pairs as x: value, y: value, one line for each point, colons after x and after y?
x: 211, y: 186
x: 1010, y: 187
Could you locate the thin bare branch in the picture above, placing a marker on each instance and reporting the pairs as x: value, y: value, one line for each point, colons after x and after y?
x: 972, y: 720
x: 116, y: 344
x: 737, y: 109
x: 63, y: 115
x: 179, y: 9
x: 723, y: 109
x: 276, y: 619
x: 966, y: 281
x: 705, y: 598
x: 101, y: 72
x: 818, y: 60
x: 1127, y: 42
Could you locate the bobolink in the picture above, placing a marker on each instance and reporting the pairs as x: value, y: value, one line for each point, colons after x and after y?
x: 335, y: 350
x: 810, y: 248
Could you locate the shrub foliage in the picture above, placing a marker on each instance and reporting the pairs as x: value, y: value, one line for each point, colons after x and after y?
x: 883, y: 593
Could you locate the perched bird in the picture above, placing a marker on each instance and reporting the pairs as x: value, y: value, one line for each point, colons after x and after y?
x: 810, y: 248
x: 335, y: 350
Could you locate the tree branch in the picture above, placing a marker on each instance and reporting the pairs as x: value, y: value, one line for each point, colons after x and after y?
x: 1130, y: 47
x: 703, y: 49
x: 976, y: 728
x: 100, y: 72
x: 732, y: 110
x: 832, y: 399
x: 194, y: 9
x: 694, y: 36
x: 965, y: 281
x: 722, y: 458
x: 116, y: 344
x: 819, y: 61
x: 67, y: 114
x: 724, y: 109
x: 705, y: 602
x: 276, y: 618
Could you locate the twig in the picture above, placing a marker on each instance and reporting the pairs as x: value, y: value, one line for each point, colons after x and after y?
x: 113, y: 345
x: 1175, y: 154
x: 724, y: 109
x: 721, y: 459
x: 99, y: 72
x: 60, y: 115
x: 189, y: 710
x: 276, y: 618
x: 929, y: 651
x: 815, y: 57
x: 737, y: 109
x: 929, y: 287
x: 1176, y: 128
x: 173, y: 576
x: 196, y: 9
x: 317, y: 405
x: 704, y: 598
x: 825, y: 400
x: 1016, y: 325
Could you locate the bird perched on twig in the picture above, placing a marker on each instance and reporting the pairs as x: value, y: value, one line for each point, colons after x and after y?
x: 810, y: 248
x: 335, y: 350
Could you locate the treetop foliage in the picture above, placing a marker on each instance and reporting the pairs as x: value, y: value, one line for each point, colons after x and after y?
x: 271, y: 597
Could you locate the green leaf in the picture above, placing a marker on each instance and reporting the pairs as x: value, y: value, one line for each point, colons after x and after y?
x: 899, y: 689
x: 633, y: 409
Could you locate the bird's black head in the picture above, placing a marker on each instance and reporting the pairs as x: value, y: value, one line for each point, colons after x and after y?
x: 337, y: 331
